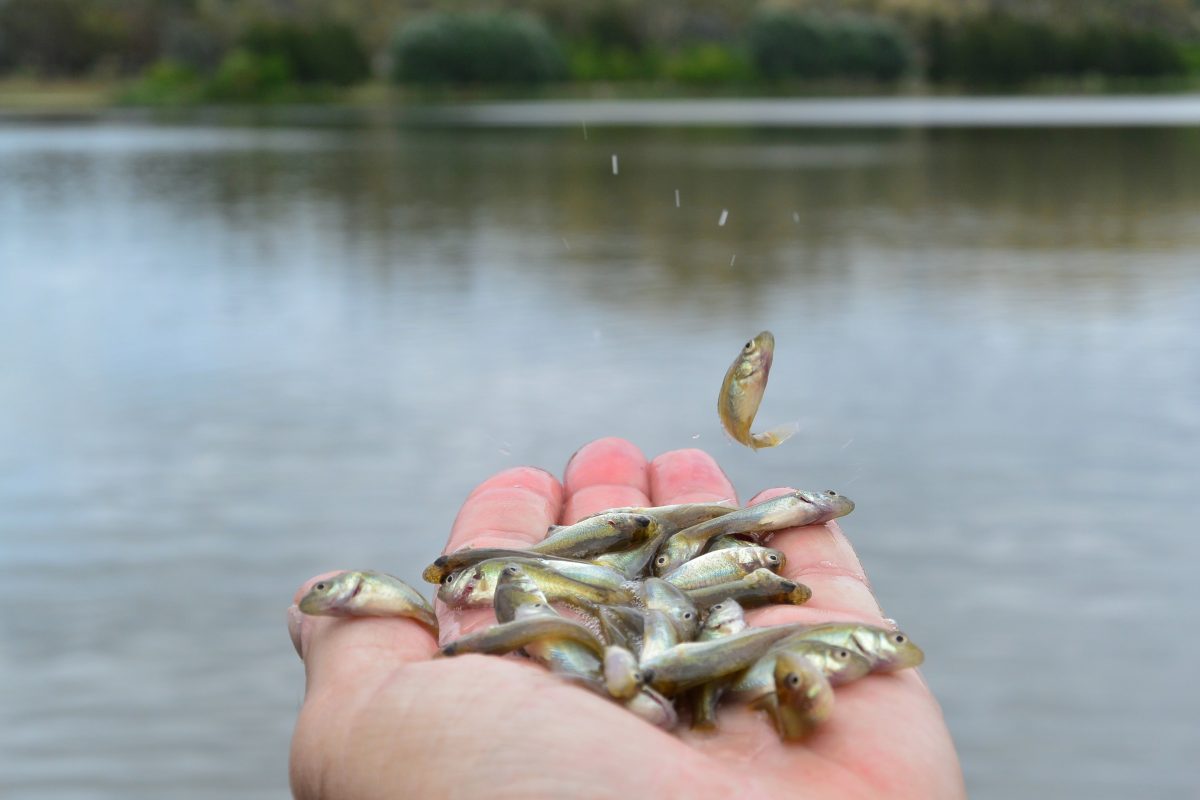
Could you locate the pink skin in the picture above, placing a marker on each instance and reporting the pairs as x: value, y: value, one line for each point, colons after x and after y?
x: 381, y: 719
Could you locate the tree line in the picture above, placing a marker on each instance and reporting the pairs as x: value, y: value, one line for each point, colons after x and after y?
x: 218, y: 50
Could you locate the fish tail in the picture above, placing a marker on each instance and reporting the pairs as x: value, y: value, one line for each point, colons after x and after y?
x: 775, y: 436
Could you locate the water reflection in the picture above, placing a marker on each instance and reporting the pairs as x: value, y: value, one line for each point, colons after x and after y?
x: 236, y: 356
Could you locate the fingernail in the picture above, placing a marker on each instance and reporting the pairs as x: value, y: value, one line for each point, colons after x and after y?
x: 294, y: 621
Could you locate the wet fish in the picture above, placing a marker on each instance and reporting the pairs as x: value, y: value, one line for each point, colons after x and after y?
x: 659, y: 634
x: 621, y: 674
x: 599, y: 534
x: 367, y: 594
x: 531, y: 632
x: 565, y: 581
x: 724, y: 619
x: 723, y: 566
x: 456, y: 562
x: 516, y: 590
x: 692, y: 663
x: 674, y: 602
x: 653, y: 708
x: 621, y: 626
x: 759, y: 588
x: 840, y: 665
x: 728, y: 540
x: 786, y: 511
x: 803, y: 698
x: 742, y: 392
x: 886, y: 650
x: 680, y: 515
x: 591, y: 536
x: 568, y: 657
x: 632, y: 561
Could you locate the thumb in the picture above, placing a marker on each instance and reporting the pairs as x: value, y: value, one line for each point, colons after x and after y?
x: 354, y: 652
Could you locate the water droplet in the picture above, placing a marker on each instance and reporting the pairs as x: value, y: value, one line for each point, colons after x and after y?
x: 795, y: 216
x: 583, y: 122
x: 615, y: 170
x: 677, y: 198
x: 724, y: 213
x: 732, y: 259
x: 566, y: 244
x: 695, y: 436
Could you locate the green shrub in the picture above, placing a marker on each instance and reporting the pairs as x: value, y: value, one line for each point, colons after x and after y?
x: 322, y: 52
x: 788, y: 44
x: 1109, y: 50
x: 590, y: 61
x: 709, y: 64
x: 166, y: 83
x: 1002, y: 50
x: 247, y: 77
x: 498, y: 48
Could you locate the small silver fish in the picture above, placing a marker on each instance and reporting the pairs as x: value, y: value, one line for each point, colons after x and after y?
x: 759, y: 588
x: 366, y: 593
x: 742, y: 392
x: 723, y: 566
x: 786, y: 511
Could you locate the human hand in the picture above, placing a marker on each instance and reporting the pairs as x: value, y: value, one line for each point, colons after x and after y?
x: 383, y: 718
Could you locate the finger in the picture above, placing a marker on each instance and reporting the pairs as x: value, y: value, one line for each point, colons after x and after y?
x: 820, y: 557
x: 343, y: 653
x: 607, y: 473
x: 513, y: 509
x: 688, y: 476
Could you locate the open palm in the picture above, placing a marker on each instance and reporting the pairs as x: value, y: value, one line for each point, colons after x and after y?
x: 383, y: 718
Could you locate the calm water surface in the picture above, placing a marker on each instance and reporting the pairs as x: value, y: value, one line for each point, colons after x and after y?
x: 231, y: 357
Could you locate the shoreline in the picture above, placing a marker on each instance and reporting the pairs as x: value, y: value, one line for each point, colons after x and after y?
x: 886, y: 111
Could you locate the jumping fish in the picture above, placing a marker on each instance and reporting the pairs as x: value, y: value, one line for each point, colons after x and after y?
x: 742, y: 392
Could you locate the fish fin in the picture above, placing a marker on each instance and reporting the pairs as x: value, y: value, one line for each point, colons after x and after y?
x: 704, y: 701
x: 775, y: 436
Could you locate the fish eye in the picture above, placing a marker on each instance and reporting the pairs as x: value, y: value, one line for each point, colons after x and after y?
x: 898, y: 638
x: 773, y: 558
x: 748, y: 345
x: 319, y: 586
x: 637, y: 677
x: 831, y: 492
x: 448, y: 577
x: 717, y: 607
x: 661, y: 560
x: 843, y: 653
x: 793, y: 679
x: 688, y: 615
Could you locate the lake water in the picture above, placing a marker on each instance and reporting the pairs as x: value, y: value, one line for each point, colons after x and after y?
x: 232, y: 356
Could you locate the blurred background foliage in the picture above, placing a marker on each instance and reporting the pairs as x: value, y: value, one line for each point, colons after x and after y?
x: 262, y: 50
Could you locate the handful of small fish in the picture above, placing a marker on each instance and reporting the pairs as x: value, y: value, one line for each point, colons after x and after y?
x: 654, y: 600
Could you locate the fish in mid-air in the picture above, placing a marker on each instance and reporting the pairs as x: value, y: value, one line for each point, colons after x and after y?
x: 742, y: 391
